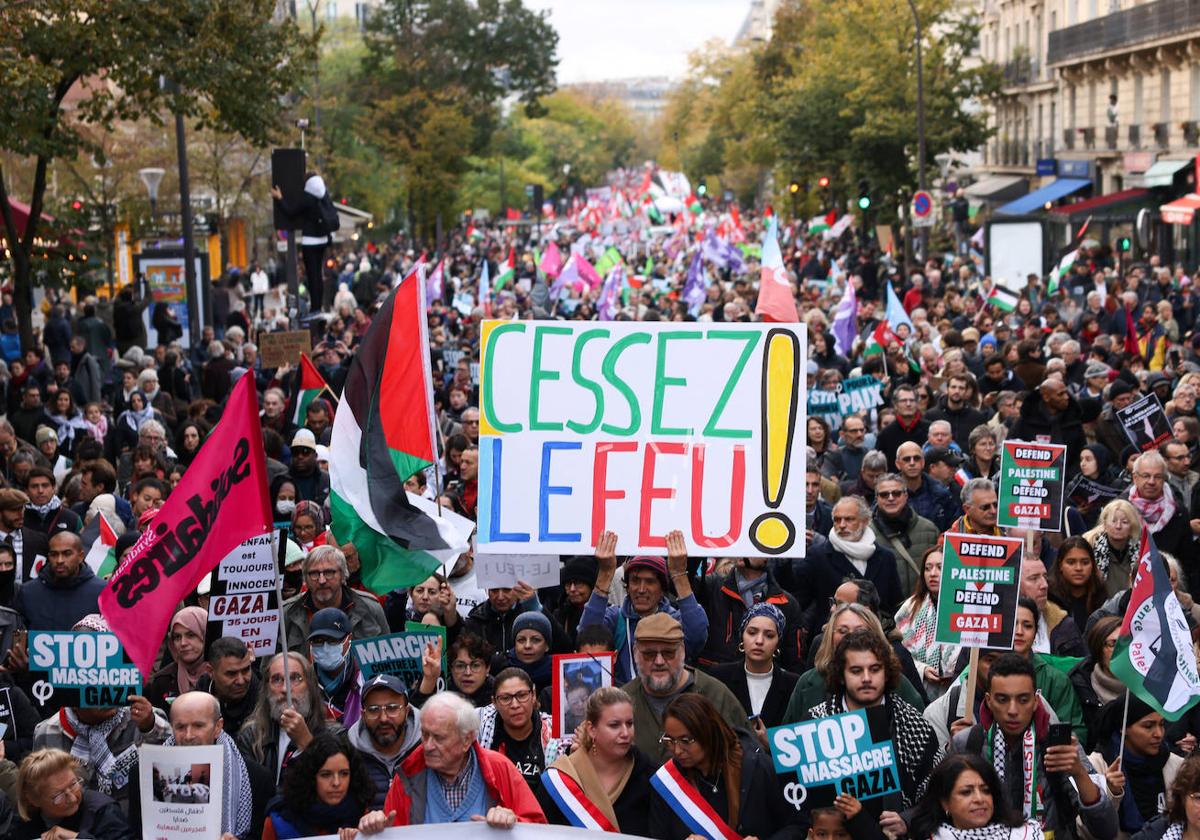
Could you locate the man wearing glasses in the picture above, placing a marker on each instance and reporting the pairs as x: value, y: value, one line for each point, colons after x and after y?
x: 845, y: 462
x: 928, y: 497
x: 979, y: 509
x: 325, y: 575
x: 387, y: 732
x: 1163, y: 511
x: 662, y: 676
x: 909, y: 425
x: 897, y: 526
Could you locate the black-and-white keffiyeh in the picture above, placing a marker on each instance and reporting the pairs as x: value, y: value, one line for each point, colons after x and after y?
x: 237, y: 797
x: 1106, y: 554
x: 1174, y: 832
x: 916, y: 744
x: 90, y: 746
x: 1029, y: 831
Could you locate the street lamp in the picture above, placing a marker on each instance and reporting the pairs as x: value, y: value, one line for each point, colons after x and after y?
x: 152, y: 177
x: 920, y: 123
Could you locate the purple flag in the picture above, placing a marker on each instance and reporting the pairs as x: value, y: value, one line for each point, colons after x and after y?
x: 844, y: 323
x: 695, y: 290
x: 567, y: 276
x: 606, y: 306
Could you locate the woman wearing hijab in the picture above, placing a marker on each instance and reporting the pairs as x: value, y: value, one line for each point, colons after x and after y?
x: 185, y: 641
x: 605, y: 770
x: 308, y: 525
x: 1147, y: 767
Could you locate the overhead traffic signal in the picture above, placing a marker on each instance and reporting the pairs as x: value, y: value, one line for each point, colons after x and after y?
x: 823, y: 182
x: 702, y: 188
x: 794, y: 187
x: 1124, y: 244
x: 864, y: 195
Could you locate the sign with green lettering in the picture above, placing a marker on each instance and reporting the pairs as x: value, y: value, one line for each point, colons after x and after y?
x: 642, y: 428
x: 1032, y: 481
x: 980, y: 584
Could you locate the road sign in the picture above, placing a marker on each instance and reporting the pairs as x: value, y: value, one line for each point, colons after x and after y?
x: 922, y: 209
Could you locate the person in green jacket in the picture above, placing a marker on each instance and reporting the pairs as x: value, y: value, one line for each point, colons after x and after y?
x: 811, y: 689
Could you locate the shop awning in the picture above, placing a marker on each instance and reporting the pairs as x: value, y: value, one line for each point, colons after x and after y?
x: 1091, y: 205
x: 998, y: 188
x: 1181, y: 210
x: 1162, y: 173
x: 1053, y: 191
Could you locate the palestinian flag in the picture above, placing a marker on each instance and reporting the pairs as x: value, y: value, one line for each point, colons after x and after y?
x: 879, y: 339
x: 383, y: 433
x: 1002, y: 298
x: 1060, y: 271
x: 102, y: 557
x: 311, y: 386
x: 507, y: 270
x: 474, y: 232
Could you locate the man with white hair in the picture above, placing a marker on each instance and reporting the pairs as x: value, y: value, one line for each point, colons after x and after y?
x: 451, y: 778
x: 1164, y: 513
x: 851, y: 552
x: 196, y: 721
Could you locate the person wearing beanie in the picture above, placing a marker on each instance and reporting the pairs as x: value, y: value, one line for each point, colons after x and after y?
x: 532, y: 639
x: 727, y: 601
x: 1147, y: 767
x: 493, y: 619
x: 760, y: 680
x: 578, y: 579
x: 659, y: 653
x: 647, y: 582
x: 1109, y: 430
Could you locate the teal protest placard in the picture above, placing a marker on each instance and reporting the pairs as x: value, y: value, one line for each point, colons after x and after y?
x: 89, y: 670
x: 837, y: 751
x: 398, y: 654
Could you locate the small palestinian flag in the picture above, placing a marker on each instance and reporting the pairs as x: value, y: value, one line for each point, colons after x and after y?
x: 506, y: 271
x: 1002, y: 298
x: 1060, y: 271
x: 382, y: 434
x: 102, y: 557
x: 311, y: 386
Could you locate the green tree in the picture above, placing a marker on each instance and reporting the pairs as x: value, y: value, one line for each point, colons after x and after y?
x: 432, y: 80
x: 68, y: 65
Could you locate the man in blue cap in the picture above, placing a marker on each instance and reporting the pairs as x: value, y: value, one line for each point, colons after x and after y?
x: 387, y: 732
x: 329, y: 652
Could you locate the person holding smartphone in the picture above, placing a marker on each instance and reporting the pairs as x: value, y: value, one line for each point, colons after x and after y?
x: 1043, y: 769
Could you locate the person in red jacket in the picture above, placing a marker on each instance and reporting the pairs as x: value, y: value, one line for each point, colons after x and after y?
x: 451, y: 778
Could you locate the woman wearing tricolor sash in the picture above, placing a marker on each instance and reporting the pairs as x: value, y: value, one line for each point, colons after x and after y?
x: 604, y: 784
x: 718, y: 784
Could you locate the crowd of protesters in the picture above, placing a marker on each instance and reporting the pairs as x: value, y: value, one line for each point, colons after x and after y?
x: 708, y: 655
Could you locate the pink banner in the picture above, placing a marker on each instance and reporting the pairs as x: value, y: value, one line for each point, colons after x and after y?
x: 221, y: 502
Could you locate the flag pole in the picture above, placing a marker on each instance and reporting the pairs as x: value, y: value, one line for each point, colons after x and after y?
x: 281, y: 542
x: 972, y: 669
x: 1124, y: 724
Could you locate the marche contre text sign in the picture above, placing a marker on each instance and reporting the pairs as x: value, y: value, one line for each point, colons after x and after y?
x: 641, y: 429
x: 977, y: 600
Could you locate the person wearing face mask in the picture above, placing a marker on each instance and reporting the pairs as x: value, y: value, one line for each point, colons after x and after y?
x: 283, y: 496
x: 337, y: 673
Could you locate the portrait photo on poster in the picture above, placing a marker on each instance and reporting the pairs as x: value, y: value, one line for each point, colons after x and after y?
x: 576, y: 676
x: 181, y: 783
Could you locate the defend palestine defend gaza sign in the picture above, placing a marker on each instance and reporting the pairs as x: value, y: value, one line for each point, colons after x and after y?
x: 642, y: 428
x: 1032, y: 480
x: 981, y: 581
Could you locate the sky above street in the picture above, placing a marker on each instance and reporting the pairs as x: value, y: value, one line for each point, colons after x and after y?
x: 619, y: 39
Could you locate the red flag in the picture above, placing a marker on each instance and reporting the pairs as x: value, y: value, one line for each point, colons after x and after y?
x: 221, y: 502
x: 831, y: 217
x: 1131, y: 339
x: 513, y: 215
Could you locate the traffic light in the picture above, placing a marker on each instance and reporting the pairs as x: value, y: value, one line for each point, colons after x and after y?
x: 77, y: 205
x: 794, y: 187
x: 864, y: 195
x: 823, y: 182
x: 702, y: 188
x: 1124, y: 244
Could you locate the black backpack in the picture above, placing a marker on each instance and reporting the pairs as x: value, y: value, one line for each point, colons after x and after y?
x: 330, y: 221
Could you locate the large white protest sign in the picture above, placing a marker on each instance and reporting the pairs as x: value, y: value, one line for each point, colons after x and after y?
x: 243, y: 602
x: 641, y: 429
x: 481, y: 831
x: 181, y: 790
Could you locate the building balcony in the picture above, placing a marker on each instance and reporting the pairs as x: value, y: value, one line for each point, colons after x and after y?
x: 1068, y: 138
x: 1111, y: 136
x: 1135, y: 137
x: 1020, y: 71
x: 1162, y: 135
x: 1191, y: 133
x: 1143, y: 24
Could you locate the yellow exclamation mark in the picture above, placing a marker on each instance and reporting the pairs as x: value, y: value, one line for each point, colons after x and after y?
x: 773, y: 532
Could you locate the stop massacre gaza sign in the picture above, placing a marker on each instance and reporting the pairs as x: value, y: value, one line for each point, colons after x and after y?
x: 981, y: 581
x: 1032, y: 479
x: 642, y: 428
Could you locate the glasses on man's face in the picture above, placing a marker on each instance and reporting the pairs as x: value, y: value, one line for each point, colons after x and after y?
x: 683, y: 741
x: 70, y: 790
x: 851, y: 431
x: 295, y: 677
x: 909, y: 459
x: 987, y: 506
x: 654, y: 654
x: 515, y: 697
x: 1149, y: 476
x: 390, y: 709
x: 891, y: 494
x: 468, y: 667
x: 323, y: 574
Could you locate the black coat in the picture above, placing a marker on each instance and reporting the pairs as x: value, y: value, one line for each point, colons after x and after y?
x: 726, y: 609
x: 1036, y: 424
x: 632, y: 807
x: 962, y: 420
x: 762, y: 810
x: 824, y: 569
x: 893, y: 434
x: 98, y: 818
x: 733, y: 674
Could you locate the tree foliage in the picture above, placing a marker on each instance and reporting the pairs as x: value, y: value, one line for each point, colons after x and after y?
x: 72, y: 68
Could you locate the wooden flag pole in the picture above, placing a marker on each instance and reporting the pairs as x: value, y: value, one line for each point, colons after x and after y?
x: 281, y: 537
x: 972, y: 670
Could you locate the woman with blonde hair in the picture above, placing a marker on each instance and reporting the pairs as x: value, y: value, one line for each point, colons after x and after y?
x: 52, y: 802
x: 1115, y: 541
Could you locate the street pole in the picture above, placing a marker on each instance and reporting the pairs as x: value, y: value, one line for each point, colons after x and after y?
x: 920, y: 124
x: 195, y: 307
